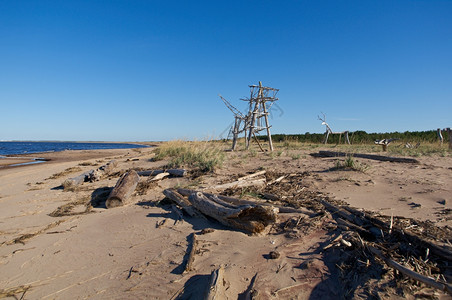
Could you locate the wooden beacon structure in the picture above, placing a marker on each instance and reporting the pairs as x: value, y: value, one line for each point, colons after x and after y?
x: 256, y: 119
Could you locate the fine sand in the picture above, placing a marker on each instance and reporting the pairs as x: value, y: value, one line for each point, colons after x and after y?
x: 127, y: 253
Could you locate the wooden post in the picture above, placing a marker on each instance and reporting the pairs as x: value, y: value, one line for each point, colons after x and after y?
x: 346, y: 137
x: 440, y: 136
x: 264, y: 108
x: 253, y: 120
x: 235, y: 133
x: 449, y: 132
x: 326, y: 137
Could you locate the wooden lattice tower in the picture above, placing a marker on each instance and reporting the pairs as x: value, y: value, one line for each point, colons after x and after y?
x: 258, y: 111
x: 256, y: 119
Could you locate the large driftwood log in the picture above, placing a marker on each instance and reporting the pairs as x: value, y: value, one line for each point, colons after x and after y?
x: 123, y: 190
x: 173, y: 172
x: 410, y: 273
x: 252, y: 219
x: 367, y: 156
x: 216, y: 289
x: 235, y: 201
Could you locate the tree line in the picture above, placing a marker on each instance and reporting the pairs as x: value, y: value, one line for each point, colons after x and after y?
x: 361, y: 137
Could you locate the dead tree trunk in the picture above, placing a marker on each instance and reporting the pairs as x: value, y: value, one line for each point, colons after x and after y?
x: 123, y: 190
x: 251, y: 219
x: 440, y: 136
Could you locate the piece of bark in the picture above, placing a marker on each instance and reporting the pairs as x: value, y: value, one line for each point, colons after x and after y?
x: 215, y: 290
x: 235, y: 201
x: 410, y: 273
x: 238, y: 184
x: 191, y: 250
x: 181, y: 201
x: 251, y: 219
x: 123, y: 190
x: 173, y: 172
x: 160, y: 176
x: 367, y: 156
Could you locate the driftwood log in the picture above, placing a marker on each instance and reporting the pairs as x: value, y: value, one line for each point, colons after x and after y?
x: 235, y: 201
x: 123, y: 190
x: 191, y: 250
x: 173, y: 172
x: 252, y: 219
x: 91, y: 176
x: 367, y: 156
x: 249, y: 218
x: 216, y: 288
x: 96, y: 175
x: 75, y: 181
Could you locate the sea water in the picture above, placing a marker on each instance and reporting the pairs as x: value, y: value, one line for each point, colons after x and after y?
x: 17, y: 148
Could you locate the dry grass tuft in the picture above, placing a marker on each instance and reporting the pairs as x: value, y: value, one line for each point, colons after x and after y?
x: 205, y: 156
x: 65, y: 172
x: 67, y: 209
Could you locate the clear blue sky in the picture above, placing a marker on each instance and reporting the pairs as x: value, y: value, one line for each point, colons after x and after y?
x: 152, y: 70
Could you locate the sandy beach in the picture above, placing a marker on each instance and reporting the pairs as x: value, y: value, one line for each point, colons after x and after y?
x: 138, y: 251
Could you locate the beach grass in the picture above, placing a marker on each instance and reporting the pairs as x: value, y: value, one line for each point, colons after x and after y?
x: 205, y: 156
